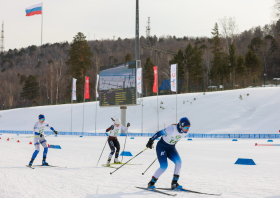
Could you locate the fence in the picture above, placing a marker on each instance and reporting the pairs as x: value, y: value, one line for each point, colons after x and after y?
x: 190, y: 135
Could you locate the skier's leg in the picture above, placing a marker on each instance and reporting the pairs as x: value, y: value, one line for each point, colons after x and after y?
x: 45, y: 145
x: 37, y: 149
x: 117, y: 145
x: 112, y: 147
x: 162, y: 158
x: 174, y: 156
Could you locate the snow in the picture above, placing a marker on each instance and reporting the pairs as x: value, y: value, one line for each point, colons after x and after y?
x: 208, y: 164
x: 215, y: 112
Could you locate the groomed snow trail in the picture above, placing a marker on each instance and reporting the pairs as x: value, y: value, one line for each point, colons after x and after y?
x: 208, y: 166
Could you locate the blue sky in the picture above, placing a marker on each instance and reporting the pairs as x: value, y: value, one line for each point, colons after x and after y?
x: 102, y: 19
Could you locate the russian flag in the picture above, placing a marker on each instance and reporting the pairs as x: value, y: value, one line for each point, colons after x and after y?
x: 33, y: 10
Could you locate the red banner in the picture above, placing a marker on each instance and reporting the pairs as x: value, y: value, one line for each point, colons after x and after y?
x: 87, y: 88
x: 155, y: 80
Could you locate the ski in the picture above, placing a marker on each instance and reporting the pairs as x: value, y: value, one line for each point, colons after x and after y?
x: 155, y: 190
x: 50, y: 166
x: 191, y: 191
x: 109, y: 166
x: 30, y: 166
x: 123, y: 163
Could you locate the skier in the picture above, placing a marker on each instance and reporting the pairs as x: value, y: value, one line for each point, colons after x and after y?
x: 113, y: 140
x: 166, y: 149
x: 39, y: 138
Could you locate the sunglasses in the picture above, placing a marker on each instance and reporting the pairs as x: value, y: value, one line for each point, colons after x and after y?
x: 186, y: 128
x: 42, y: 119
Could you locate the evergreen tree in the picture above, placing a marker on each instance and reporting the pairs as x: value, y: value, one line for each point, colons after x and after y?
x: 30, y: 88
x: 79, y: 61
x: 196, y: 71
x: 232, y: 60
x: 240, y: 69
x: 127, y: 57
x: 219, y: 70
x: 253, y: 64
x: 148, y: 75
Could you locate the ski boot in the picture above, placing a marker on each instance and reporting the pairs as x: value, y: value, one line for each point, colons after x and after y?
x: 174, y: 183
x: 108, y: 162
x: 31, y: 162
x: 44, y: 163
x: 116, y: 161
x: 151, y: 184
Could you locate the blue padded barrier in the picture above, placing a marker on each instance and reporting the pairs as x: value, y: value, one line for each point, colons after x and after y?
x: 132, y: 138
x: 269, y: 140
x: 190, y: 135
x: 234, y: 140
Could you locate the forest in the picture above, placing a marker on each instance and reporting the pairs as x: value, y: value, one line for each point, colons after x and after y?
x: 40, y: 75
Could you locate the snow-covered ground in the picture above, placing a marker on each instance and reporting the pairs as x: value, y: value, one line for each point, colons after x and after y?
x: 208, y: 166
x: 221, y: 112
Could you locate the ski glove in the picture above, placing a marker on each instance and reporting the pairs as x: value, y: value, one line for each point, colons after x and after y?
x: 110, y: 128
x: 55, y: 132
x: 41, y: 135
x: 150, y: 144
x: 128, y: 124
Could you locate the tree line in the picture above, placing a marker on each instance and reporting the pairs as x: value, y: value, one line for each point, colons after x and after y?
x: 234, y: 60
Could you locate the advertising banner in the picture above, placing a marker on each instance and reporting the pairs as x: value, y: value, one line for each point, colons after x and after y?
x: 87, y: 88
x: 139, y: 80
x: 155, y: 80
x: 74, y: 94
x: 173, y: 77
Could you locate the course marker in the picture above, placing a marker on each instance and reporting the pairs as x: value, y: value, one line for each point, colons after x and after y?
x: 126, y: 153
x: 244, y: 161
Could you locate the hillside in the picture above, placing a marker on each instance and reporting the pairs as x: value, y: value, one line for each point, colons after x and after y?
x: 215, y: 112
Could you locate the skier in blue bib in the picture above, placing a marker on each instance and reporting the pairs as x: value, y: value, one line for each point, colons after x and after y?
x: 166, y: 149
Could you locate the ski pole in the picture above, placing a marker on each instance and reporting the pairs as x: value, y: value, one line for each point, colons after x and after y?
x: 24, y: 137
x: 128, y: 161
x: 124, y: 146
x: 149, y: 166
x: 102, y: 152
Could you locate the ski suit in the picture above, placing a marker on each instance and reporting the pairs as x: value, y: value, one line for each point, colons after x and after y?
x: 113, y: 140
x: 37, y: 130
x: 166, y: 148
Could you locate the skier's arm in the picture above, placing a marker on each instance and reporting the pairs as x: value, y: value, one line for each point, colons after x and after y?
x: 124, y: 128
x: 51, y: 128
x: 34, y: 128
x: 158, y: 134
x: 110, y: 128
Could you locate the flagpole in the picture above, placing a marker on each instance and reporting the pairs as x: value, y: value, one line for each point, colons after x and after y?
x: 176, y: 89
x: 71, y: 104
x: 96, y: 100
x: 84, y: 107
x: 142, y: 101
x: 157, y: 100
x: 42, y: 26
x: 95, y: 111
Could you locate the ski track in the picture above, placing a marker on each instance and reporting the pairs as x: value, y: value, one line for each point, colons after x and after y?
x: 208, y: 166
